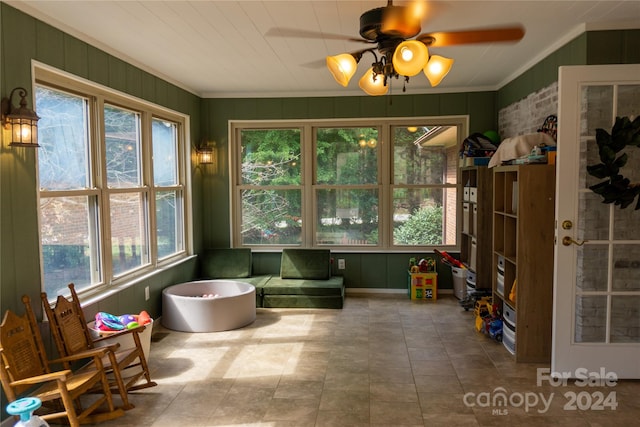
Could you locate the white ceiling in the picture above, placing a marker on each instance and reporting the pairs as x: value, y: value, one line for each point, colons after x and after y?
x: 219, y: 48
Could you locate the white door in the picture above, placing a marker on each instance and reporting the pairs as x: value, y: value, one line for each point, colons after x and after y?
x: 596, y: 322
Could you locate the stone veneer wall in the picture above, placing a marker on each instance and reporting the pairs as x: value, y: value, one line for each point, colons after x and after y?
x: 528, y: 114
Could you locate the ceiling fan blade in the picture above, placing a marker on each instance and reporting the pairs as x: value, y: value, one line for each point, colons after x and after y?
x: 489, y: 35
x: 307, y: 34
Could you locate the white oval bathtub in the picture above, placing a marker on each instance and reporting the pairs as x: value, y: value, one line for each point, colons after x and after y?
x: 208, y: 305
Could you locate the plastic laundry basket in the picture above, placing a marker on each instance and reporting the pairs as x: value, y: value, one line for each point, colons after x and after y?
x: 459, y: 282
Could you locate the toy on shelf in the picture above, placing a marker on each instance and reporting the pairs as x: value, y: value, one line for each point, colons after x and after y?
x: 512, y: 294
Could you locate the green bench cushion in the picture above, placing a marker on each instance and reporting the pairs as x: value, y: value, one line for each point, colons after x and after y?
x: 227, y: 263
x: 257, y: 281
x: 313, y: 264
x: 302, y: 301
x: 278, y: 286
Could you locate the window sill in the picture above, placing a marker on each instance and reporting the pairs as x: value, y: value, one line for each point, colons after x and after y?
x: 104, y: 293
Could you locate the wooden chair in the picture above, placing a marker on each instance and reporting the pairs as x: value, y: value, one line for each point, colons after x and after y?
x: 25, y: 366
x: 72, y: 336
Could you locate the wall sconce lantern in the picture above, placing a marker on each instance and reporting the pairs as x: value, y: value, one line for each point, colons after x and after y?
x: 21, y: 121
x: 206, y: 154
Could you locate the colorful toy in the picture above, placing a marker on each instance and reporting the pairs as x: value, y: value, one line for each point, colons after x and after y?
x: 24, y: 409
x: 125, y: 319
x: 109, y: 322
x: 413, y: 265
x: 495, y: 329
x: 449, y: 259
x: 427, y: 265
x: 488, y: 318
x: 512, y: 294
x: 144, y: 318
x: 482, y: 310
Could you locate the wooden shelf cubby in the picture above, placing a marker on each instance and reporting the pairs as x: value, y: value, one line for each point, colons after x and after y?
x: 523, y: 244
x: 477, y: 190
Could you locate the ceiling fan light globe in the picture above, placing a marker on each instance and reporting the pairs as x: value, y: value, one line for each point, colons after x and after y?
x: 342, y: 67
x: 437, y: 68
x: 410, y: 57
x: 371, y: 85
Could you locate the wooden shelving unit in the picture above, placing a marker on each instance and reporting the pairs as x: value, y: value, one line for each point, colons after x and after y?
x: 523, y: 233
x: 477, y: 186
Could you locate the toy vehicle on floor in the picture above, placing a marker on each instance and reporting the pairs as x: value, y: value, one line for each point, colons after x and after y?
x: 495, y: 329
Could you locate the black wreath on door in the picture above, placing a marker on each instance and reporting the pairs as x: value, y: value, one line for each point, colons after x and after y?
x: 616, y: 188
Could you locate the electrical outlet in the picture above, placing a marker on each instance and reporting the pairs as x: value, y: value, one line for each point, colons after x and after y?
x: 146, y: 293
x: 341, y: 264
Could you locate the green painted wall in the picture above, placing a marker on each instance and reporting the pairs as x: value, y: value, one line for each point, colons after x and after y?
x: 613, y: 47
x: 591, y: 48
x: 24, y: 39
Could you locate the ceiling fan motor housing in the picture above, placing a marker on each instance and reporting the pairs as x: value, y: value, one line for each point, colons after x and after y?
x: 388, y: 22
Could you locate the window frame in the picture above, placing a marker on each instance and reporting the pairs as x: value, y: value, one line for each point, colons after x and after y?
x: 309, y: 188
x: 98, y: 96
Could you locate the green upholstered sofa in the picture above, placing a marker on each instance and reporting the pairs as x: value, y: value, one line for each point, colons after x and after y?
x: 305, y: 279
x: 232, y: 264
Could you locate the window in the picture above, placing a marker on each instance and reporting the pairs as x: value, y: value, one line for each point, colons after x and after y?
x: 270, y: 187
x: 112, y: 185
x: 365, y: 184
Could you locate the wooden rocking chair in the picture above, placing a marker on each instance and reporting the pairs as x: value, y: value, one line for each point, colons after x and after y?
x: 72, y: 336
x: 25, y: 366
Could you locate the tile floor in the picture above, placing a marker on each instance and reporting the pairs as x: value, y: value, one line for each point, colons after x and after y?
x: 380, y: 361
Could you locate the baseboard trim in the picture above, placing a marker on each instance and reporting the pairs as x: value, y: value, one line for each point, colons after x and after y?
x: 386, y: 291
x: 370, y: 291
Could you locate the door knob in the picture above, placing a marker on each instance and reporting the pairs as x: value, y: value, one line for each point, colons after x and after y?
x: 568, y: 241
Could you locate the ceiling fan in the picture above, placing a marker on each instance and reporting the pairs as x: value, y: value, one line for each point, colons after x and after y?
x: 401, y: 50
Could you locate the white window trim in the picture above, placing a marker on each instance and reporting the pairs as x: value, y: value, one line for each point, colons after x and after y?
x: 50, y: 76
x: 385, y: 185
